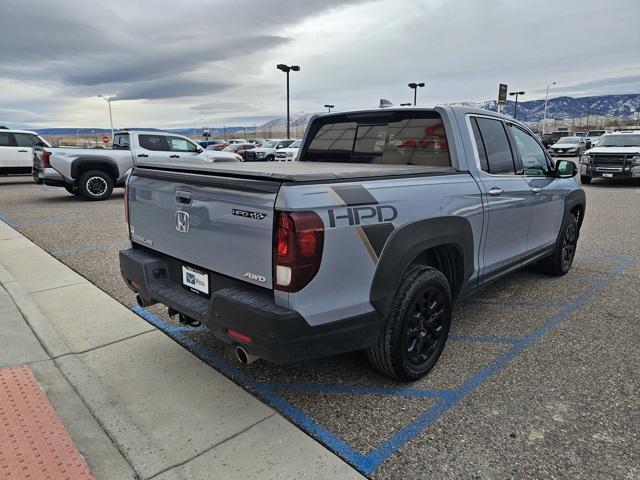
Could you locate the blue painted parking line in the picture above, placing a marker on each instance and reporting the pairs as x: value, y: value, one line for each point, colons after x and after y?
x: 486, y: 339
x: 66, y: 220
x: 360, y: 390
x: 447, y: 399
x: 91, y: 248
x: 512, y: 303
x: 6, y: 220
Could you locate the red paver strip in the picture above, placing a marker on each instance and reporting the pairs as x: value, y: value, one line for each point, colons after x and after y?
x: 33, y: 442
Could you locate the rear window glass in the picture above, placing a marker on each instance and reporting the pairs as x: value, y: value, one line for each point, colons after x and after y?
x: 390, y: 138
x: 121, y: 141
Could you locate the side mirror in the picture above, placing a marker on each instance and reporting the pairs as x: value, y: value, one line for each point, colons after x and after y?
x: 200, y: 150
x: 566, y: 169
x: 588, y: 144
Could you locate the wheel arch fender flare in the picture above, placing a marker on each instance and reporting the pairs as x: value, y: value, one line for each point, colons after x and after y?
x: 96, y: 162
x: 575, y: 198
x: 409, y: 241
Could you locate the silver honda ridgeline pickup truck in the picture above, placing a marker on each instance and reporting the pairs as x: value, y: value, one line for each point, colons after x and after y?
x: 388, y: 218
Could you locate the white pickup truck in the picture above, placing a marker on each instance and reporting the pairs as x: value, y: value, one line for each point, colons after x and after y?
x: 93, y: 173
x: 16, y: 150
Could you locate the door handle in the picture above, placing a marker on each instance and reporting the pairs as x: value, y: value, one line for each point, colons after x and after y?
x: 143, y: 155
x: 495, y: 191
x: 183, y: 198
x: 536, y: 189
x: 23, y: 151
x: 174, y: 156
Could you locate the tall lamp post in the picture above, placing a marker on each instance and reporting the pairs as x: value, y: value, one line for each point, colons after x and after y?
x: 108, y: 100
x: 414, y: 87
x: 329, y: 107
x: 515, y: 105
x: 546, y: 99
x: 286, y: 69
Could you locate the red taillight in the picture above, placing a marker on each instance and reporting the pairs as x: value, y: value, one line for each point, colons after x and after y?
x: 45, y: 159
x: 239, y: 336
x: 297, y: 254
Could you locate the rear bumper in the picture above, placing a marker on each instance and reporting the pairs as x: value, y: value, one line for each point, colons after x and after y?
x: 48, y: 176
x: 277, y: 334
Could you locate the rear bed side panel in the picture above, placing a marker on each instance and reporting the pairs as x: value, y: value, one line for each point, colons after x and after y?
x: 359, y: 218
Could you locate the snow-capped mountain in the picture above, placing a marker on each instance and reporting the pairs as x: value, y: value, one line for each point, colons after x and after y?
x: 562, y: 108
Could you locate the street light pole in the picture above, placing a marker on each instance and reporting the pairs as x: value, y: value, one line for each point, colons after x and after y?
x: 515, y: 106
x: 546, y: 99
x: 286, y: 69
x: 329, y: 107
x: 108, y: 100
x: 415, y: 86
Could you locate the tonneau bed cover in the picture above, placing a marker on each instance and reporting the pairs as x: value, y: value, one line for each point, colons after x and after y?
x: 300, y: 171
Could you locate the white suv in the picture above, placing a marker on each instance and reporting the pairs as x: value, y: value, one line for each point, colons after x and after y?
x: 16, y: 150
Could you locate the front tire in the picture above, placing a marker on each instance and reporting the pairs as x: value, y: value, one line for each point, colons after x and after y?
x: 417, y: 327
x: 95, y: 185
x: 560, y: 261
x: 270, y: 158
x: 585, y: 180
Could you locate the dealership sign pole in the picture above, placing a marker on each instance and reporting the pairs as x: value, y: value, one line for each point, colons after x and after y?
x: 502, y: 97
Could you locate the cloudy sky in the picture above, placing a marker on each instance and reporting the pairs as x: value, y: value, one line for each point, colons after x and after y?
x: 172, y: 63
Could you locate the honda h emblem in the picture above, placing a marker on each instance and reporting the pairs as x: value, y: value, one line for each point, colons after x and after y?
x: 182, y: 221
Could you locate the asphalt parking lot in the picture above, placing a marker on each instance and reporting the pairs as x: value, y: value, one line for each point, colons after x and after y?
x: 539, y: 379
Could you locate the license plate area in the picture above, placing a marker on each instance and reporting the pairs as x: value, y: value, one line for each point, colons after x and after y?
x: 195, y: 280
x: 607, y: 175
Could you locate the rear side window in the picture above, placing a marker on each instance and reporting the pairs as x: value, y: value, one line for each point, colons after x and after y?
x: 6, y: 140
x: 26, y: 139
x: 122, y: 142
x: 393, y: 138
x: 153, y: 142
x: 496, y: 146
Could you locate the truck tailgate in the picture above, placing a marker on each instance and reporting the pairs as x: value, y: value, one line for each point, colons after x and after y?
x: 221, y: 224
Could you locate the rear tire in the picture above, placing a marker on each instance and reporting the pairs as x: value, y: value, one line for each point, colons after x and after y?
x: 72, y: 189
x: 270, y: 158
x: 95, y: 185
x: 560, y: 261
x: 417, y: 327
x: 585, y: 180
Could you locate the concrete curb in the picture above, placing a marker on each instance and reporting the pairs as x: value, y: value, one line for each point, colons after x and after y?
x: 195, y: 441
x: 63, y: 358
x: 48, y: 336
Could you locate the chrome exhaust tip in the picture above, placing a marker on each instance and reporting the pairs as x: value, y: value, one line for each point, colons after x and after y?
x: 245, y: 357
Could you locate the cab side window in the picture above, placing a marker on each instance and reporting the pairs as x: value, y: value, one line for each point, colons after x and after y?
x: 155, y: 143
x: 534, y: 160
x: 26, y: 140
x: 177, y: 144
x: 493, y: 147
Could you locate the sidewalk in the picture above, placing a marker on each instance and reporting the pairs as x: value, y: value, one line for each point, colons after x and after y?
x: 136, y: 404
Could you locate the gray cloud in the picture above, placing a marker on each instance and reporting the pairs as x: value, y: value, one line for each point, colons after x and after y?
x: 78, y: 43
x: 170, y: 87
x: 217, y: 60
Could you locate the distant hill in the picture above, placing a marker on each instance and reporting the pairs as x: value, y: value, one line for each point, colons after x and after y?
x: 561, y: 108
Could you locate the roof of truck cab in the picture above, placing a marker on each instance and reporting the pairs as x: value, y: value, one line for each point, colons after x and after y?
x: 302, y: 171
